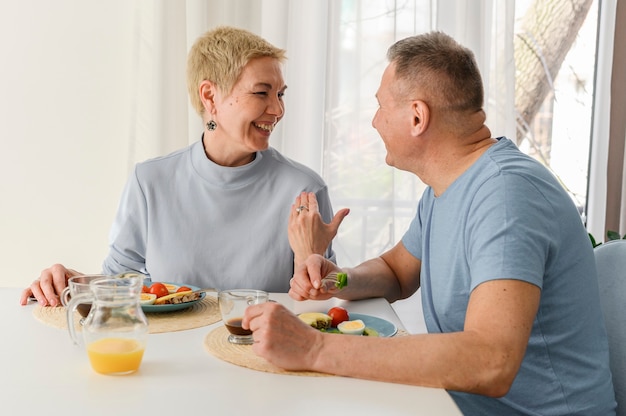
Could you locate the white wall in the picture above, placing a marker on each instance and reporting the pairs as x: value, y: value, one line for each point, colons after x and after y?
x: 64, y: 110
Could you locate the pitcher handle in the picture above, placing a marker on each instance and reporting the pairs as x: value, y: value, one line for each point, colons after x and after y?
x: 71, y: 307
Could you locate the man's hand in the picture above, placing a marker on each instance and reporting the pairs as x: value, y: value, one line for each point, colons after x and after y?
x: 306, y: 282
x: 281, y: 337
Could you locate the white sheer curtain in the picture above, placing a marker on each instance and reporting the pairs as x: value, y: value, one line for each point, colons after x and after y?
x: 336, y: 55
x: 329, y: 121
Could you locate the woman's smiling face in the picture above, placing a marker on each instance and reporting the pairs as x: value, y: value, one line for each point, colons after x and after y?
x: 247, y: 116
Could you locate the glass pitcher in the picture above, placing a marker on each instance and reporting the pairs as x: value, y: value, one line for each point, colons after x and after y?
x: 115, y: 330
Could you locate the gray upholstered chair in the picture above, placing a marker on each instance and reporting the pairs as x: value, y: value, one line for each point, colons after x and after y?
x: 611, y: 264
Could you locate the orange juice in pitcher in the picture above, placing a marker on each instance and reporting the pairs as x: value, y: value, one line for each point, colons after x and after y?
x: 115, y: 355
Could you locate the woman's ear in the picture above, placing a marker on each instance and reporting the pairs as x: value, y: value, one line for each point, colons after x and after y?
x: 208, y: 93
x: 421, y: 117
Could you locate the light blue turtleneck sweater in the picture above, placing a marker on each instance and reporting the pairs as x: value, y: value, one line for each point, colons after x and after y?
x: 183, y: 218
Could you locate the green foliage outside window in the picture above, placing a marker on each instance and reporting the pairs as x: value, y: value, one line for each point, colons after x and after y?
x: 610, y: 235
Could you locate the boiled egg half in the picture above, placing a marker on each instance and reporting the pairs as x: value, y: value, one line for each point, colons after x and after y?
x: 355, y: 327
x: 147, y: 298
x: 171, y: 288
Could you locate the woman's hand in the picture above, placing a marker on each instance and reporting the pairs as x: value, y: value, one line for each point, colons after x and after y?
x: 307, y: 231
x: 49, y: 286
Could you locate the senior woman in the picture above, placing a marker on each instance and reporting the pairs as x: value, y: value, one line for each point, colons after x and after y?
x: 229, y: 210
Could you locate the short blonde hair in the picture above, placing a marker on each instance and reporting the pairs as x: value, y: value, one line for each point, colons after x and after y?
x: 220, y: 55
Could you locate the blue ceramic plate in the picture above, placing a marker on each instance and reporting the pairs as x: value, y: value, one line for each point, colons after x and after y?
x: 175, y: 306
x: 382, y: 326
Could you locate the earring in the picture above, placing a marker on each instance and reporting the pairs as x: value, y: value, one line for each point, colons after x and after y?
x: 211, y: 125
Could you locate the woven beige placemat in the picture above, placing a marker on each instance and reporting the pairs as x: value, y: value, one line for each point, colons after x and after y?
x: 199, y: 314
x: 216, y: 342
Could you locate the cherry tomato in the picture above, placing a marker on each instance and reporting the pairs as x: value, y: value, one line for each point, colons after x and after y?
x: 145, y: 289
x: 159, y: 289
x: 183, y: 289
x: 338, y: 315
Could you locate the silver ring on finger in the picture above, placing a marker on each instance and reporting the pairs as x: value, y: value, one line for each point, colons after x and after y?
x: 301, y: 207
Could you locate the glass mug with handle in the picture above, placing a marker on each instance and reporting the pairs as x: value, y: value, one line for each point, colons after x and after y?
x: 116, y: 330
x: 77, y: 285
x: 232, y: 304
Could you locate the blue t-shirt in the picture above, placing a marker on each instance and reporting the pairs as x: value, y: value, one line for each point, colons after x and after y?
x: 507, y: 217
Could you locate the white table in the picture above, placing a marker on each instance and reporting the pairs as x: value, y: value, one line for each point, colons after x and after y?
x: 42, y: 372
